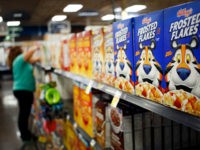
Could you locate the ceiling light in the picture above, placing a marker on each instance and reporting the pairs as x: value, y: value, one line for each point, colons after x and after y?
x: 13, y: 23
x: 58, y: 17
x: 17, y: 15
x: 86, y: 14
x: 108, y: 17
x: 135, y: 8
x: 72, y: 8
x: 1, y: 19
x: 118, y: 9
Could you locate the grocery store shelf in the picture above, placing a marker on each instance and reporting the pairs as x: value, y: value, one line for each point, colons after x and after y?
x: 170, y: 113
x: 45, y: 68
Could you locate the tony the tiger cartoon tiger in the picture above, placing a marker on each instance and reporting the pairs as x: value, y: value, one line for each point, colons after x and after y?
x: 97, y: 63
x: 123, y: 70
x: 148, y: 74
x: 109, y: 64
x: 183, y: 72
x: 147, y: 68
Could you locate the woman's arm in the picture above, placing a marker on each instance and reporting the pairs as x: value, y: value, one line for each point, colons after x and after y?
x: 28, y: 56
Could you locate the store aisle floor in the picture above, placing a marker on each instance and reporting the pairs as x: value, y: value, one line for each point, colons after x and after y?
x: 9, y: 135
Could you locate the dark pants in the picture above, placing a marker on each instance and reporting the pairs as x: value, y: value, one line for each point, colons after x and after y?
x: 25, y: 101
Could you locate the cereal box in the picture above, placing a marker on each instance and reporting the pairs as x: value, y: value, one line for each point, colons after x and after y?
x: 102, y: 125
x: 109, y: 56
x: 98, y: 54
x: 71, y: 139
x: 64, y: 52
x: 182, y: 57
x: 149, y: 55
x: 77, y: 103
x: 86, y: 111
x: 87, y: 59
x: 72, y: 53
x: 123, y: 47
x: 80, y: 53
x: 121, y: 129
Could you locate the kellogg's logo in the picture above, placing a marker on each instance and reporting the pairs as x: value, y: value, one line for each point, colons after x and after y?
x: 146, y: 20
x: 184, y: 12
x: 120, y: 26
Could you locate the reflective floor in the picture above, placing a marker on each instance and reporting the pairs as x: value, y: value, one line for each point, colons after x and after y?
x: 9, y: 135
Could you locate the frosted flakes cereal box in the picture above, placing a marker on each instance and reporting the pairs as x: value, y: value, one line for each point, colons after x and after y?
x: 123, y: 47
x: 109, y: 56
x: 80, y: 53
x: 182, y: 57
x: 149, y: 55
x: 87, y: 63
x: 98, y: 54
x: 72, y: 52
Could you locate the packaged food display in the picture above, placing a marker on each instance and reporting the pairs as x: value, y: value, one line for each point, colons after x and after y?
x: 109, y: 56
x: 98, y: 54
x: 182, y: 57
x: 87, y: 58
x: 121, y: 129
x: 123, y: 47
x: 149, y: 55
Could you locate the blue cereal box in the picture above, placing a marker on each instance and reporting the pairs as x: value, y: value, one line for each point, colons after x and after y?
x: 109, y: 56
x: 123, y: 47
x: 149, y: 55
x: 182, y: 57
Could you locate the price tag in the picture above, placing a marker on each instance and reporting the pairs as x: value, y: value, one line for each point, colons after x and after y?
x: 47, y: 79
x: 116, y: 98
x: 75, y: 125
x: 68, y: 117
x: 100, y: 86
x: 88, y: 88
x: 92, y: 143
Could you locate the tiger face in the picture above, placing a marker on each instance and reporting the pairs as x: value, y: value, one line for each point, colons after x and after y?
x: 109, y: 61
x: 147, y: 68
x: 123, y: 65
x: 97, y: 61
x: 183, y: 72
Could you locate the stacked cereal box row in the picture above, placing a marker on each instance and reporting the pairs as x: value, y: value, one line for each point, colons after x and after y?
x: 155, y: 56
x: 167, y: 56
x: 100, y: 121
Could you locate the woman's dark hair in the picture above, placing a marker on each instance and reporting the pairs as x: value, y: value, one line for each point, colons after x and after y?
x: 13, y: 53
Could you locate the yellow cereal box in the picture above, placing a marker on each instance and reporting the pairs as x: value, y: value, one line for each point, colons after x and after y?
x: 77, y: 104
x: 80, y: 53
x: 72, y: 53
x: 87, y: 59
x: 86, y: 112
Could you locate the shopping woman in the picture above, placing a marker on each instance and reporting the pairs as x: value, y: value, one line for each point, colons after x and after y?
x: 24, y: 85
